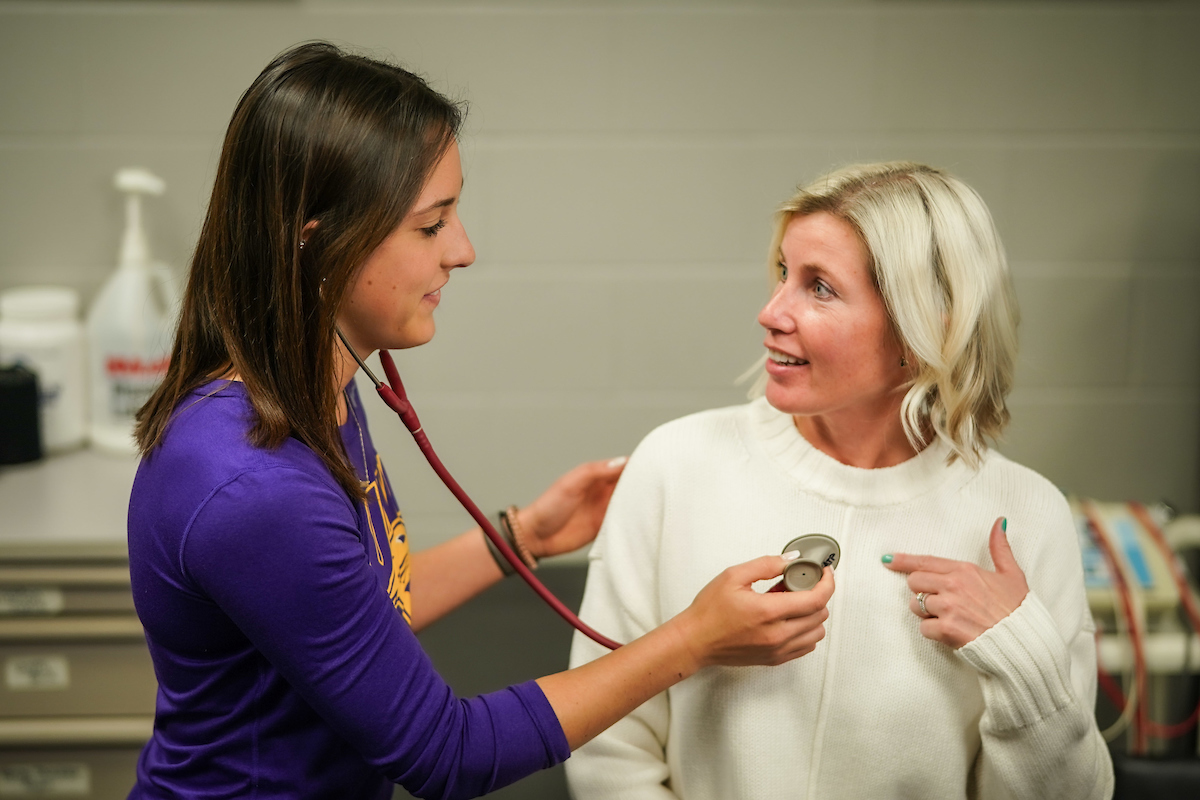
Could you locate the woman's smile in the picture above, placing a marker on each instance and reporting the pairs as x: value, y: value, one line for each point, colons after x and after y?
x: 780, y: 363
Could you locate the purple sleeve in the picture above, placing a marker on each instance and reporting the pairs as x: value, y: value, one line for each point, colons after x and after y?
x: 278, y: 550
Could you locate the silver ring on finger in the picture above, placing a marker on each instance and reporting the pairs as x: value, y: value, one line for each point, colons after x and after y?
x: 921, y: 603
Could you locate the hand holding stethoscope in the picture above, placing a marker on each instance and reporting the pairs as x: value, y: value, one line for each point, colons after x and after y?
x: 813, y: 557
x: 957, y: 600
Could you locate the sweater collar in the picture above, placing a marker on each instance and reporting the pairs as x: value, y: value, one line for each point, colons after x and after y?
x: 776, y: 433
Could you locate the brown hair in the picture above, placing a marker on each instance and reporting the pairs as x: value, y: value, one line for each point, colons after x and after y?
x: 321, y: 135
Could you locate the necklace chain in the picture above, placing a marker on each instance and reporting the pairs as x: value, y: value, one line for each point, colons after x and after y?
x: 361, y: 442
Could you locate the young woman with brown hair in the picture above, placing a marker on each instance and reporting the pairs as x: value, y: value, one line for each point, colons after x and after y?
x: 269, y: 561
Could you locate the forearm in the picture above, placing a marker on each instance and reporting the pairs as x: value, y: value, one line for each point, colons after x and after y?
x: 591, y: 697
x: 1038, y: 733
x: 449, y: 574
x: 1062, y: 756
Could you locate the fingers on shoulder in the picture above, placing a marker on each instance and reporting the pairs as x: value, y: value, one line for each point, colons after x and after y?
x: 604, y: 469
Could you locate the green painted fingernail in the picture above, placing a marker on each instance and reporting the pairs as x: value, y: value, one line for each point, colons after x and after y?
x: 887, y: 559
x: 1004, y: 524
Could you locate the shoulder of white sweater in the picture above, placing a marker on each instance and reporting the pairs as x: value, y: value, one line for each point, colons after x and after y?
x: 1016, y: 479
x: 698, y: 431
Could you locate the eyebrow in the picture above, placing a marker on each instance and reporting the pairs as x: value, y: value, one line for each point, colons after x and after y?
x: 440, y: 203
x: 437, y: 205
x: 807, y: 265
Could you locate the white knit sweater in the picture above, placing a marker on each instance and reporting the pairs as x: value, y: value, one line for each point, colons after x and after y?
x: 876, y: 711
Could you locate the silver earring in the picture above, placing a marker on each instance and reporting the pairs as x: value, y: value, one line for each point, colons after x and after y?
x: 301, y: 244
x: 903, y: 361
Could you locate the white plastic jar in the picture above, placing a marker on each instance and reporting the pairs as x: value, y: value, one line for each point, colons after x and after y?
x: 40, y: 328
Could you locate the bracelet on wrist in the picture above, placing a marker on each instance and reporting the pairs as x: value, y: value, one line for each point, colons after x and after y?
x: 513, y: 523
x: 501, y: 561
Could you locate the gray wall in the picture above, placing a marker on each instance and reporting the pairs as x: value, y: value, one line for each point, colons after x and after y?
x: 622, y: 164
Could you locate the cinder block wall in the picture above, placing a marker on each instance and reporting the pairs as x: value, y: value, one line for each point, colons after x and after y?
x: 622, y: 163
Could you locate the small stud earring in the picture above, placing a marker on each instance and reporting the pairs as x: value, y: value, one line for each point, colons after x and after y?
x: 301, y: 244
x: 903, y: 361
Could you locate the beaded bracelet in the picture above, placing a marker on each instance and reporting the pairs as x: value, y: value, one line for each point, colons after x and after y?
x: 509, y: 516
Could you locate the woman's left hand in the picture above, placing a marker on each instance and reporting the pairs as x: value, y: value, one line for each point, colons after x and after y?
x: 568, y: 514
x: 963, y: 600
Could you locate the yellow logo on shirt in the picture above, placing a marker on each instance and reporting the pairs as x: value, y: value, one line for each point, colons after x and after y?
x: 396, y: 537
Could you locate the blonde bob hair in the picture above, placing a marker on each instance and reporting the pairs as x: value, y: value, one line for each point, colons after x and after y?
x: 938, y: 264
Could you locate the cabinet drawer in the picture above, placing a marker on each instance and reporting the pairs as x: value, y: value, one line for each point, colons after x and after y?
x: 63, y: 587
x: 56, y: 678
x: 99, y: 773
x: 38, y: 600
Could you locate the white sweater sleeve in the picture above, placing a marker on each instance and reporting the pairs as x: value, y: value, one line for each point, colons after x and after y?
x: 1037, y: 670
x: 628, y: 760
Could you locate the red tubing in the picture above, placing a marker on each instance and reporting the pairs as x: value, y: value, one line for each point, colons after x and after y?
x: 1135, y: 632
x: 397, y: 400
x: 1144, y: 726
x: 1156, y: 729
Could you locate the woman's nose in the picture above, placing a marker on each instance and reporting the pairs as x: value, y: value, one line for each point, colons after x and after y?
x: 462, y: 252
x: 773, y: 316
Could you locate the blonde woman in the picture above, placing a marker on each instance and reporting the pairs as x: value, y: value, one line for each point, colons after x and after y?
x: 959, y: 657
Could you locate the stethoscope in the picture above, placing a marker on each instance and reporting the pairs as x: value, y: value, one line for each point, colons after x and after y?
x: 817, y: 550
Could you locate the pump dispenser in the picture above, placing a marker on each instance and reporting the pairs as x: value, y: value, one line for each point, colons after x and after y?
x: 130, y: 325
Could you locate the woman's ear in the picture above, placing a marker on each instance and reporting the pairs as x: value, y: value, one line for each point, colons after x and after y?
x: 307, y: 230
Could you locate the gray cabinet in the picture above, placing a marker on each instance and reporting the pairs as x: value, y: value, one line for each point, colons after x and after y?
x: 78, y: 688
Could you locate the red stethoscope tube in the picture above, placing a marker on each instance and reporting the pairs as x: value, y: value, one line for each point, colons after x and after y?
x: 396, y: 399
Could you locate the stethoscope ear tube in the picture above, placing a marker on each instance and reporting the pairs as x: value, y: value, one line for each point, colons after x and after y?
x: 396, y: 399
x: 480, y: 518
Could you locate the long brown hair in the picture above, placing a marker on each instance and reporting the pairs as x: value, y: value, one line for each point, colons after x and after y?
x: 321, y: 135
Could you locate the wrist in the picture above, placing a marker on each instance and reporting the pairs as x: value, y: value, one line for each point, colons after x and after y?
x: 517, y: 536
x: 506, y: 568
x: 691, y: 656
x: 529, y: 523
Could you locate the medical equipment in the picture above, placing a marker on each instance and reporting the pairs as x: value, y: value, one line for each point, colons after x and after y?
x: 1137, y: 584
x: 397, y: 400
x: 816, y: 550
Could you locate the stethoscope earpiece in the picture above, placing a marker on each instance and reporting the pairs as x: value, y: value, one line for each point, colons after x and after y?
x: 817, y: 551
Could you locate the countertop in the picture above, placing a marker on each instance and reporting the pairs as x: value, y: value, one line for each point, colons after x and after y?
x: 77, y: 497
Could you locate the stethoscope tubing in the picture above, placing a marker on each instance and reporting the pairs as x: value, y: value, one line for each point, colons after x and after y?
x: 393, y: 395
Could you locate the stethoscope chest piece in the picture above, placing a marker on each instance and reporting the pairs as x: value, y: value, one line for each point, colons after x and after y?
x: 817, y: 551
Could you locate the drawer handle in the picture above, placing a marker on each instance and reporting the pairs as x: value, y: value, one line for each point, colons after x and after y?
x: 64, y: 576
x: 64, y: 731
x: 57, y: 629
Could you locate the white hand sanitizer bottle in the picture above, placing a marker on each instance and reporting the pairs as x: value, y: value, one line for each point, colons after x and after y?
x: 130, y: 326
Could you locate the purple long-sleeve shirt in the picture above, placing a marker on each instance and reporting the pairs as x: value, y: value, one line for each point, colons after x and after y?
x: 275, y: 608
